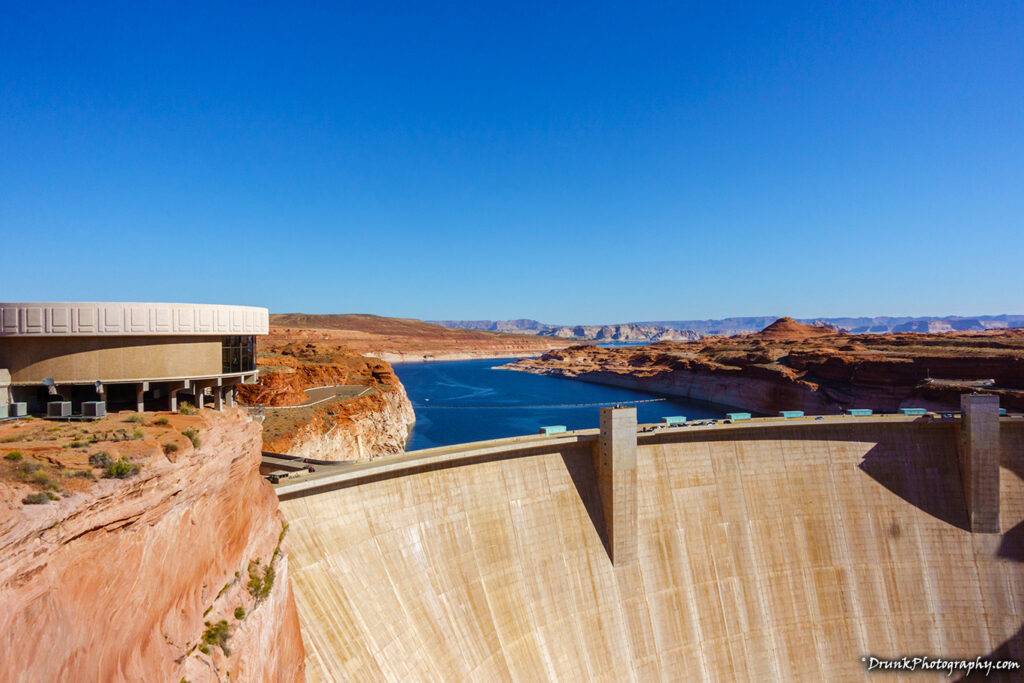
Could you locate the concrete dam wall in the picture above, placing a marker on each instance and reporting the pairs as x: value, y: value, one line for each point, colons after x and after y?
x: 771, y: 551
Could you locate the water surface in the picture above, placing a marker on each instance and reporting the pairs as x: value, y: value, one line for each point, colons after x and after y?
x: 465, y: 400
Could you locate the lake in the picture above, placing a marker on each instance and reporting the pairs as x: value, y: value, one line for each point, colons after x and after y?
x: 459, y: 401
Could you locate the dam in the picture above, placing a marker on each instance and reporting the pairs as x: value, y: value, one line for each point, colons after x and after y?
x: 773, y: 549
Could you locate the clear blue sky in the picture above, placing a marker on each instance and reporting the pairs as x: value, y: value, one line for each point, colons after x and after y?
x: 589, y: 164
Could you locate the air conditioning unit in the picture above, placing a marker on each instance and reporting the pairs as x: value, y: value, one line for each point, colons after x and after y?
x: 18, y: 409
x: 58, y: 409
x: 4, y: 411
x: 94, y: 409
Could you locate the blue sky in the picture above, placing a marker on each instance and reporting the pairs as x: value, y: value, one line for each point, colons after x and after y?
x: 573, y: 164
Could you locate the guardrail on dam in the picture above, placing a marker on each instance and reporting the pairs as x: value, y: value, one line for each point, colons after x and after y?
x: 779, y: 549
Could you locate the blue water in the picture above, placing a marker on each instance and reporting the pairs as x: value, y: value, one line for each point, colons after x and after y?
x: 458, y: 401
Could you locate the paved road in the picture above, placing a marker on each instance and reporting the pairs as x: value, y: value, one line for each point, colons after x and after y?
x: 321, y: 394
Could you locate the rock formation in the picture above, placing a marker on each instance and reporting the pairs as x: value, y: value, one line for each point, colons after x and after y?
x: 746, y: 325
x: 629, y: 332
x: 142, y: 552
x: 624, y: 332
x: 370, y: 416
x: 372, y: 419
x: 817, y: 369
x: 402, y: 340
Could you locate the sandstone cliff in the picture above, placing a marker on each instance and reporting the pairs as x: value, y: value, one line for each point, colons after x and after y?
x: 812, y: 368
x: 367, y: 415
x: 173, y: 572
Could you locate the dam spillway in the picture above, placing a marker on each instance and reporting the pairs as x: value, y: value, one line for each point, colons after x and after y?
x: 772, y: 550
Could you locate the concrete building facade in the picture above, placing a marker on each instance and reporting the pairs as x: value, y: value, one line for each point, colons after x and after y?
x: 129, y: 354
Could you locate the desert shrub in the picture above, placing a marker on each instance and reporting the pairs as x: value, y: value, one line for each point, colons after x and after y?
x: 239, y: 613
x: 120, y: 469
x: 13, y: 456
x: 53, y: 496
x: 99, y: 459
x: 81, y: 474
x: 135, y: 419
x: 11, y: 439
x: 218, y: 635
x: 161, y: 422
x: 193, y: 435
x: 170, y: 448
x: 26, y: 470
x: 186, y: 408
x: 35, y: 499
x: 75, y: 444
x: 261, y: 580
x: 137, y: 434
x: 42, y: 480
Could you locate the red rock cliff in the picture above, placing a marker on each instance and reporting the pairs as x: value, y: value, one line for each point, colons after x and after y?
x: 794, y: 366
x: 171, y: 573
x: 370, y: 418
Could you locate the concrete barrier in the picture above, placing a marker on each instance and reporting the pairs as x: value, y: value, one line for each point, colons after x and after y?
x: 764, y: 550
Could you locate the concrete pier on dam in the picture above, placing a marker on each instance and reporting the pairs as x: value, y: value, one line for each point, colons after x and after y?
x: 763, y: 550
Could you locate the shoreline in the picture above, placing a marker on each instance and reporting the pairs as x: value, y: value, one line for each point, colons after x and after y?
x: 638, y: 384
x: 401, y: 358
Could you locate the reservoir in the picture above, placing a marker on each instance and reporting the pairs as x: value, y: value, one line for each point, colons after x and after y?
x: 466, y: 400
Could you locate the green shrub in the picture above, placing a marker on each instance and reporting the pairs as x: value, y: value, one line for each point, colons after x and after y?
x: 42, y: 479
x: 13, y: 456
x: 170, y: 448
x: 26, y: 470
x: 137, y: 434
x: 100, y: 459
x: 193, y: 435
x: 75, y: 444
x: 239, y: 613
x: 53, y: 496
x: 135, y: 419
x: 120, y: 469
x: 161, y: 422
x: 186, y: 408
x: 261, y: 580
x: 81, y: 474
x: 217, y: 634
x: 35, y: 499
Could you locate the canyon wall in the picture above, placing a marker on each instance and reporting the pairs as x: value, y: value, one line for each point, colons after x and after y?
x: 172, y: 574
x: 361, y: 429
x: 817, y: 369
x: 372, y: 419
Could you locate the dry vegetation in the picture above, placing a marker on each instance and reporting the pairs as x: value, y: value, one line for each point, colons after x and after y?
x: 44, y: 461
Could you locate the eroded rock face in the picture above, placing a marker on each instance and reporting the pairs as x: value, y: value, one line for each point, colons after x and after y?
x: 162, y: 576
x: 794, y: 366
x: 368, y: 427
x: 372, y: 420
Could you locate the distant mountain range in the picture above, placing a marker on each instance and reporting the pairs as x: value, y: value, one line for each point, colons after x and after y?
x: 625, y: 332
x: 659, y: 330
